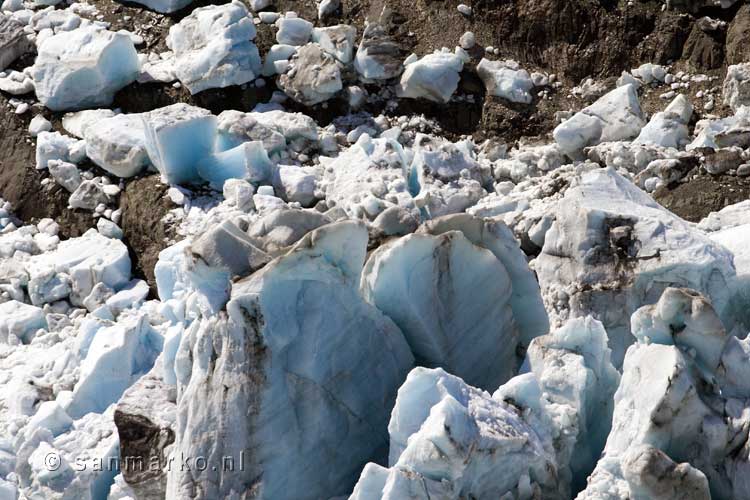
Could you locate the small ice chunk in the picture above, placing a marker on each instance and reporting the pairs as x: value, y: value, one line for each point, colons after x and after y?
x: 337, y: 40
x: 434, y: 77
x: 314, y: 76
x: 39, y: 124
x: 248, y: 161
x: 178, y: 137
x: 294, y: 31
x: 504, y: 79
x: 118, y: 145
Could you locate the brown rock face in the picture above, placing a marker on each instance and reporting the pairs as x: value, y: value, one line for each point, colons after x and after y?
x: 143, y: 206
x: 738, y: 37
x: 704, y: 49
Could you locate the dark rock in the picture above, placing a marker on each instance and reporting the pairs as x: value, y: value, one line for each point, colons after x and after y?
x: 704, y: 49
x: 145, y: 418
x: 143, y: 206
x: 738, y: 37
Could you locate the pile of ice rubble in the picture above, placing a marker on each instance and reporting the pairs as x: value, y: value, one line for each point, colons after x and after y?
x: 367, y: 308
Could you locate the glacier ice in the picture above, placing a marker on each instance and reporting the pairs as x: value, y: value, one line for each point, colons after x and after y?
x: 83, y: 68
x: 213, y: 48
x: 450, y: 440
x: 178, y: 137
x: 368, y: 177
x: 293, y: 31
x: 434, y: 77
x: 13, y: 41
x: 506, y: 79
x: 378, y: 56
x: 615, y: 116
x: 290, y: 342
x: 165, y: 6
x: 424, y: 283
x: 737, y: 86
x: 313, y: 75
x: 612, y: 249
x: 678, y: 409
x: 337, y: 40
x: 669, y: 127
x: 118, y: 144
x: 248, y: 161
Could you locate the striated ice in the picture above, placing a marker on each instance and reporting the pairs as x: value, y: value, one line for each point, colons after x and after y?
x: 290, y: 343
x: 213, y: 49
x: 425, y: 282
x: 83, y: 68
x: 493, y: 235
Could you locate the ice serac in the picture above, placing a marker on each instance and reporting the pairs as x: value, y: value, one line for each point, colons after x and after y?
x: 434, y: 77
x: 450, y: 441
x: 493, y: 235
x: 178, y: 137
x: 612, y: 249
x: 570, y: 397
x: 83, y: 68
x: 298, y: 371
x: 506, y: 79
x: 118, y: 145
x: 213, y: 47
x: 680, y: 420
x: 616, y: 116
x: 428, y: 285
